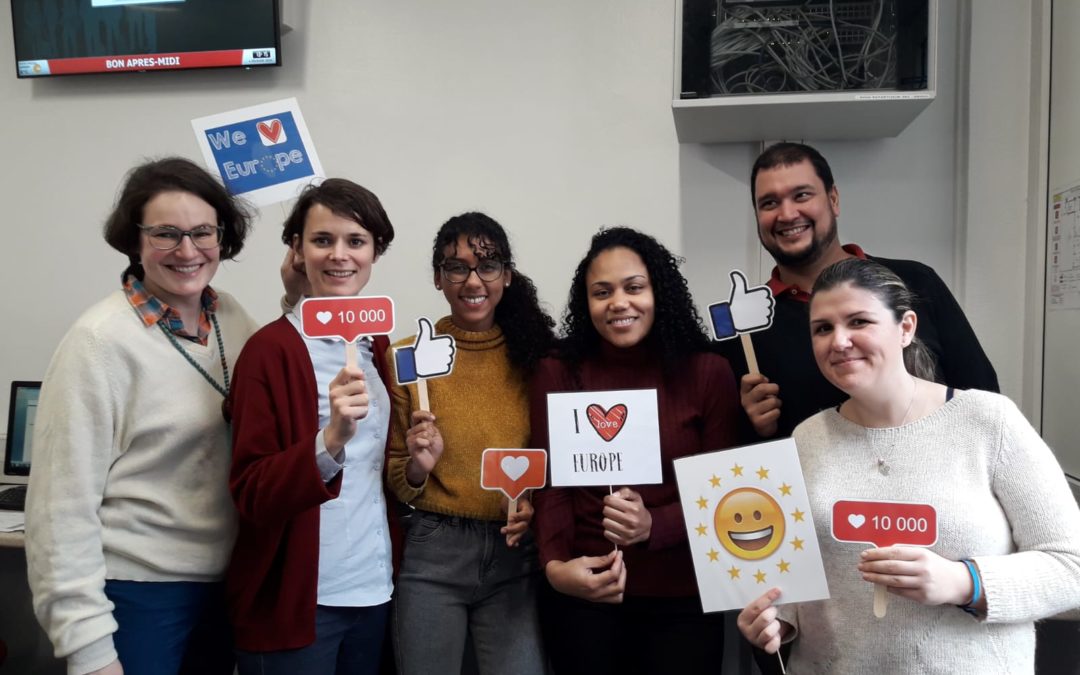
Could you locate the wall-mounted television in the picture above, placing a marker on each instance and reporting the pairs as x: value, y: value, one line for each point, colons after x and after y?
x: 68, y: 37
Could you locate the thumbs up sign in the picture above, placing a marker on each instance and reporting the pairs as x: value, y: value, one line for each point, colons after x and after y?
x: 747, y: 310
x: 430, y: 356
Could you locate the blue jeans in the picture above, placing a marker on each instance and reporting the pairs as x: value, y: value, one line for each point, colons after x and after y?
x: 458, y: 577
x: 348, y: 641
x: 170, y: 627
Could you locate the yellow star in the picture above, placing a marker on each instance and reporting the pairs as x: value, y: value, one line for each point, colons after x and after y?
x: 715, y: 480
x: 797, y: 543
x: 785, y: 490
x: 734, y: 572
x: 784, y: 566
x: 713, y: 555
x: 762, y: 473
x: 703, y: 503
x: 760, y: 576
x: 736, y: 470
x: 701, y: 530
x: 796, y: 514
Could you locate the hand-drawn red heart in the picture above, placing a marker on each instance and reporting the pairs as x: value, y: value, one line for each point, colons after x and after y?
x: 270, y: 131
x: 608, y: 423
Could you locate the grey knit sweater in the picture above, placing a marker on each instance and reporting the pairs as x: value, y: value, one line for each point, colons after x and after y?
x: 1001, y: 500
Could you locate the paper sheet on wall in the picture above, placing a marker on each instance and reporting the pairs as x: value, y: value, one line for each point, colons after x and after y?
x: 1063, y: 250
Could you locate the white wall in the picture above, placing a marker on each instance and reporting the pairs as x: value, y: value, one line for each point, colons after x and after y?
x: 553, y: 117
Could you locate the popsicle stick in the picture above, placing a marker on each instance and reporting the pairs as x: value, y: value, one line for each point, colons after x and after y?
x: 511, y: 509
x: 421, y: 390
x: 350, y: 354
x: 881, y: 599
x: 748, y: 349
x: 783, y: 671
x: 611, y: 491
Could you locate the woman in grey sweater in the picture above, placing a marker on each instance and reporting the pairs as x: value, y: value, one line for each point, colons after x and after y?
x: 1008, y: 543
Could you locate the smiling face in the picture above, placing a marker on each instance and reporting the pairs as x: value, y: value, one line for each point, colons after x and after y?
x: 858, y: 343
x: 796, y: 215
x: 473, y: 301
x: 621, y: 301
x: 749, y: 524
x: 178, y: 277
x: 336, y: 252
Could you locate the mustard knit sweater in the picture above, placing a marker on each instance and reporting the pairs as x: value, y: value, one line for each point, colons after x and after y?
x: 482, y: 404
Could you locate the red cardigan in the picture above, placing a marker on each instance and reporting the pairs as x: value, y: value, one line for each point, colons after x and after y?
x: 272, y: 582
x: 699, y: 412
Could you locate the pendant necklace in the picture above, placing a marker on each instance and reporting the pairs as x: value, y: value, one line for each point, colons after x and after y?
x: 226, y: 408
x: 882, y: 464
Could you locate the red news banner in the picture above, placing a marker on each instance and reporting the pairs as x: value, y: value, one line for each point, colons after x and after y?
x: 97, y: 64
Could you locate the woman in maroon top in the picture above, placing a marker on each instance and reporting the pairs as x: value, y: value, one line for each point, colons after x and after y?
x: 631, y: 324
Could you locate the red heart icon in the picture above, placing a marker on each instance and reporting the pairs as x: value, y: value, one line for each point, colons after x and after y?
x: 608, y: 423
x: 270, y: 131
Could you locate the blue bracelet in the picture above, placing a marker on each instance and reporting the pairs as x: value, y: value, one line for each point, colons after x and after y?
x: 976, y: 593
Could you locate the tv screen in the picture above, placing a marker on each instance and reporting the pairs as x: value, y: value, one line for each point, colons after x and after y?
x: 68, y: 37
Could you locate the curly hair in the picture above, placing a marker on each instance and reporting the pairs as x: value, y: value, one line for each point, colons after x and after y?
x: 677, y: 329
x: 528, y: 329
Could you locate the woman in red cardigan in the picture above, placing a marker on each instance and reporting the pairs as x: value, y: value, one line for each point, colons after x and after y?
x: 310, y: 580
x: 625, y: 599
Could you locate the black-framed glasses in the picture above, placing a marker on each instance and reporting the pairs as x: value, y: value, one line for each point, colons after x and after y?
x: 167, y: 237
x: 456, y: 272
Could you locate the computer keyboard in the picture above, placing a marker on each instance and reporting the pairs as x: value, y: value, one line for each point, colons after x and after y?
x: 13, y: 498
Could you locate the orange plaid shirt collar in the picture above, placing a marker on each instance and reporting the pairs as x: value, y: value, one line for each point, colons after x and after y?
x: 151, y: 310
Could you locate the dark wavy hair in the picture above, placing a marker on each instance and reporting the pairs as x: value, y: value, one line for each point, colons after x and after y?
x: 528, y: 329
x: 172, y: 174
x: 677, y: 328
x: 893, y: 293
x: 346, y: 199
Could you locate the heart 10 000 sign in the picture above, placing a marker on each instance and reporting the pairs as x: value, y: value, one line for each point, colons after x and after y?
x: 347, y: 318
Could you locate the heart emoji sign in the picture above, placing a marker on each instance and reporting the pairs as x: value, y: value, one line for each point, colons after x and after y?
x: 346, y: 318
x: 271, y: 132
x: 608, y: 423
x: 884, y: 523
x: 512, y: 472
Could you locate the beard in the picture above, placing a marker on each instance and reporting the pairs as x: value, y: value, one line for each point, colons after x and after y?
x: 809, y: 255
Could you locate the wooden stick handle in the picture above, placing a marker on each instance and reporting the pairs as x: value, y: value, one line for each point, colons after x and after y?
x: 511, y: 509
x: 421, y: 390
x: 748, y: 349
x: 350, y: 354
x: 881, y: 599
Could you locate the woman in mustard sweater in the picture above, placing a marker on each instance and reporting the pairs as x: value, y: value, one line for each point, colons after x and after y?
x: 466, y: 570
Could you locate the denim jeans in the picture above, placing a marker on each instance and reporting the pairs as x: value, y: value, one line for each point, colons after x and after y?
x: 169, y: 627
x: 458, y: 577
x: 348, y: 641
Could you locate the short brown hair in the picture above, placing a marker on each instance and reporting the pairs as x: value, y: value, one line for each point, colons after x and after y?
x: 346, y: 199
x: 170, y: 174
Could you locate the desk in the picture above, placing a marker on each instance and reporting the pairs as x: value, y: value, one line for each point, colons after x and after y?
x: 29, y: 650
x: 12, y: 539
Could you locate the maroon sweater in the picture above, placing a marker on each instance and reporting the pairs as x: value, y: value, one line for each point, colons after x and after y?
x: 699, y: 412
x: 272, y: 582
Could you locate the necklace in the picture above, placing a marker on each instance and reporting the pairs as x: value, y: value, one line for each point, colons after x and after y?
x: 226, y: 410
x: 882, y: 465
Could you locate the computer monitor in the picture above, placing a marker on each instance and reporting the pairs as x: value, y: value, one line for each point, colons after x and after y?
x: 22, y: 412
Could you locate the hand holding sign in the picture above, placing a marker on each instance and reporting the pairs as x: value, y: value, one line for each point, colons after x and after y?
x: 746, y: 311
x: 348, y: 403
x: 626, y: 520
x: 430, y: 356
x: 886, y: 524
x: 425, y: 444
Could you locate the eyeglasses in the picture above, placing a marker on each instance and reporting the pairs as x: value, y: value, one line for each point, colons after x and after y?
x: 167, y: 237
x: 456, y: 272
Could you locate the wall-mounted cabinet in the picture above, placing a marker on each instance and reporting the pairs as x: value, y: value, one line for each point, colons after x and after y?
x: 749, y: 70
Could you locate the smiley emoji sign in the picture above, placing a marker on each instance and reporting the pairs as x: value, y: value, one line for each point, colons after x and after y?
x: 749, y: 523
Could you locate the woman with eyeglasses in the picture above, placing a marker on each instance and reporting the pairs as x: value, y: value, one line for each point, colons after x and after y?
x: 129, y: 522
x: 466, y: 568
x: 624, y: 598
x: 311, y: 575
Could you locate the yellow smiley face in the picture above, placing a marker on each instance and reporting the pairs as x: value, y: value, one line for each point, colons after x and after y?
x: 749, y: 523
